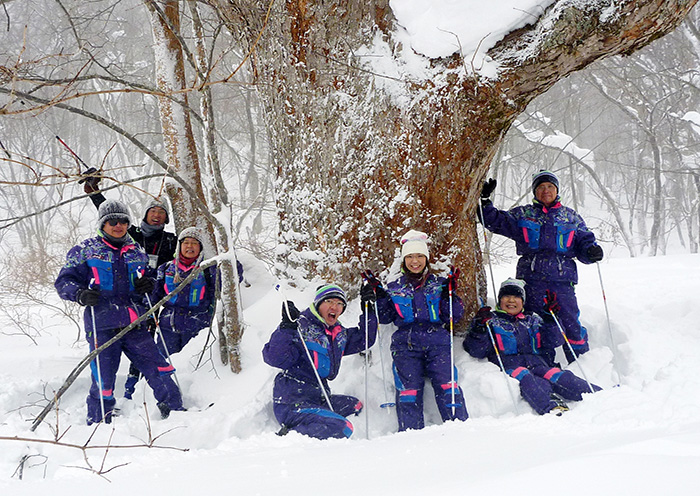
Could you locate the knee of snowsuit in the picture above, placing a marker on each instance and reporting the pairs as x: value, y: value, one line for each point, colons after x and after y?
x: 320, y: 423
x: 170, y: 342
x: 410, y: 369
x: 568, y: 315
x: 538, y: 384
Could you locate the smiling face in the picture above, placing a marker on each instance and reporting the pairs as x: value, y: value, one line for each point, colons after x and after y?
x: 415, y: 262
x: 156, y: 216
x: 190, y: 248
x: 330, y: 310
x: 117, y: 230
x: 546, y: 193
x: 511, y: 304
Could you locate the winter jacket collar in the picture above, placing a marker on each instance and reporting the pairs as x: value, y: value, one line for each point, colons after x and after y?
x: 544, y: 208
x: 506, y: 315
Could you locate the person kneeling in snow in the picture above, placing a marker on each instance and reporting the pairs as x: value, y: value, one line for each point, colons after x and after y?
x: 299, y: 402
x: 104, y: 274
x: 518, y: 337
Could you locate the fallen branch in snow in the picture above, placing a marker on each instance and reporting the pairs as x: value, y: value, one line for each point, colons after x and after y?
x: 101, y: 470
x: 91, y: 356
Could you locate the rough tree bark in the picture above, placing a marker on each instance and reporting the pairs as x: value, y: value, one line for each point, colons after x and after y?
x: 361, y: 157
x: 182, y: 157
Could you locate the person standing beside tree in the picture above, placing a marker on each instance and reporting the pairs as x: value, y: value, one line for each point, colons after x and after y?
x: 105, y: 275
x: 159, y: 244
x: 549, y: 237
x: 192, y: 309
x: 418, y: 304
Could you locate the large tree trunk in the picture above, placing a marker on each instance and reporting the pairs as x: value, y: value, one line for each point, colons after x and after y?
x: 181, y: 153
x: 361, y: 157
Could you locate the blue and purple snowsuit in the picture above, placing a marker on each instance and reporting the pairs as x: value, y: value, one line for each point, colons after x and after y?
x: 114, y: 270
x: 299, y: 403
x: 519, y: 341
x: 548, y: 239
x: 189, y: 311
x: 420, y: 347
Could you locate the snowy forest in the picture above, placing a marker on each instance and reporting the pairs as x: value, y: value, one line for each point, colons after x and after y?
x: 305, y: 138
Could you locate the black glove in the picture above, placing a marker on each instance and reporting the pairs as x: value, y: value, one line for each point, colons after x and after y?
x: 290, y: 314
x: 144, y: 285
x: 483, y: 315
x: 488, y: 188
x: 151, y: 325
x: 595, y: 253
x: 452, y: 278
x: 91, y: 180
x: 376, y: 285
x: 550, y: 302
x: 367, y: 294
x: 89, y: 297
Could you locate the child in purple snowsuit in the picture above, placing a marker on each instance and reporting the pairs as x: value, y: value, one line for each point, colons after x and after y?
x: 418, y: 303
x: 518, y: 337
x: 102, y: 273
x: 299, y: 402
x: 548, y: 237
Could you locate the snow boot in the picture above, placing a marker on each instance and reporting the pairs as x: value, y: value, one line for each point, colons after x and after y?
x: 560, y: 405
x: 164, y: 410
x: 130, y: 385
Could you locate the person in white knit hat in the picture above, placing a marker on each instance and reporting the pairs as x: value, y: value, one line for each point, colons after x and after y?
x: 418, y: 304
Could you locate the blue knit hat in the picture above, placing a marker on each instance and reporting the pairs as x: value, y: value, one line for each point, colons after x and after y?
x: 544, y: 176
x: 327, y: 292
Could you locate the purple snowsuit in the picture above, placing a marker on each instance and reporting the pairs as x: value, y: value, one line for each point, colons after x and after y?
x: 519, y: 341
x: 299, y: 403
x: 547, y: 240
x: 420, y: 347
x: 114, y: 271
x: 189, y: 311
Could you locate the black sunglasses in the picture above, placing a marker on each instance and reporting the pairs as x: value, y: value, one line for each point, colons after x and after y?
x: 114, y: 222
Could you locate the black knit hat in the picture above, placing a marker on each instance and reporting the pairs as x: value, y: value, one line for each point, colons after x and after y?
x: 544, y: 176
x: 512, y: 287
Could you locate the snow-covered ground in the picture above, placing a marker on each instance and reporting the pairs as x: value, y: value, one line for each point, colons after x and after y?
x: 640, y: 438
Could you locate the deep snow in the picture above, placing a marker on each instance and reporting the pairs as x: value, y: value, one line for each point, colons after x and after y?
x: 642, y: 437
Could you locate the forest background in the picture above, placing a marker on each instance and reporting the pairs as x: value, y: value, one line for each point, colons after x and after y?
x: 621, y: 134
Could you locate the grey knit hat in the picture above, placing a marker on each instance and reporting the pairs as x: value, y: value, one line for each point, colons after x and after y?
x: 157, y: 203
x: 112, y: 209
x: 194, y: 233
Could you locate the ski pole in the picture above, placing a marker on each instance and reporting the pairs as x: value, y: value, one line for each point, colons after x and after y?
x: 372, y: 279
x: 387, y: 403
x: 488, y: 326
x: 607, y: 316
x: 97, y: 357
x: 162, y: 339
x: 503, y: 368
x: 571, y: 349
x: 486, y: 242
x: 88, y: 170
x: 452, y: 350
x: 366, y: 368
x: 306, y: 349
